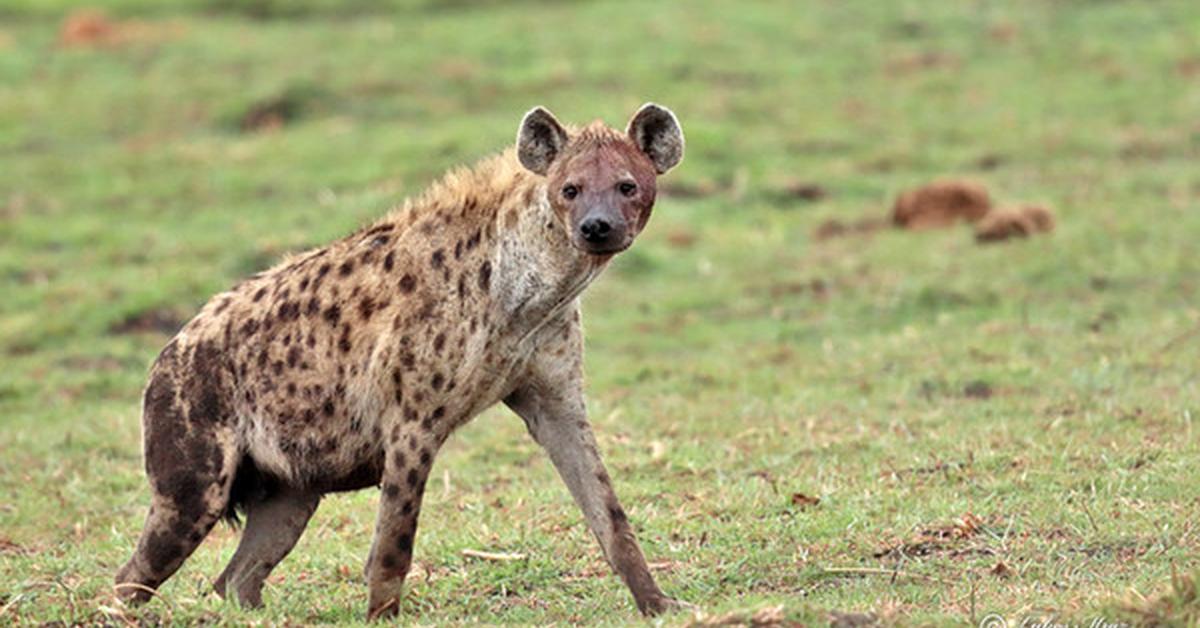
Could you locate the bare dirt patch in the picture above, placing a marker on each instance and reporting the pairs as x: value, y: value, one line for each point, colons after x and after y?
x: 1014, y: 222
x: 941, y: 204
x: 8, y: 546
x: 978, y: 389
x: 796, y: 190
x: 1188, y: 67
x: 288, y: 106
x: 990, y: 161
x: 92, y: 28
x: 834, y: 228
x: 699, y: 188
x: 681, y: 238
x: 155, y: 320
x: 803, y: 501
x: 922, y: 62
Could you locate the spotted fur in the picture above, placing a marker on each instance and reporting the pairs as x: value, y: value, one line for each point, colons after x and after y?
x: 349, y: 366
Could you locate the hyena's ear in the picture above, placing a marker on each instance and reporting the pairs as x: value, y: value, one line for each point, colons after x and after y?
x: 655, y: 130
x: 540, y: 139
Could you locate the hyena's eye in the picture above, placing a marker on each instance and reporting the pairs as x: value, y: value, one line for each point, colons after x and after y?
x: 627, y: 188
x: 569, y: 191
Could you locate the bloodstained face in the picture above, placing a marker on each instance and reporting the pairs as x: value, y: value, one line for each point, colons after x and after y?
x: 602, y: 182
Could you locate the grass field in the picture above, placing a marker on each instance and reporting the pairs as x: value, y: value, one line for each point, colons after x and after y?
x: 1003, y: 429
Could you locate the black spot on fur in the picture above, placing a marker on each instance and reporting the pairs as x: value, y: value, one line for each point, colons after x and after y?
x: 438, y: 258
x: 436, y: 381
x: 289, y: 311
x: 293, y: 358
x: 333, y: 314
x: 389, y: 261
x: 346, y: 268
x: 433, y: 418
x: 485, y: 276
x: 408, y: 283
x: 262, y: 292
x: 404, y: 543
x: 366, y: 308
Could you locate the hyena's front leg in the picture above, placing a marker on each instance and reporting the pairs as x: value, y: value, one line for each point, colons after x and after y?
x: 551, y: 402
x: 410, y: 455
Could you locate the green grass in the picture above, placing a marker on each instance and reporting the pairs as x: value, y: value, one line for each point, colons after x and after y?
x: 734, y: 359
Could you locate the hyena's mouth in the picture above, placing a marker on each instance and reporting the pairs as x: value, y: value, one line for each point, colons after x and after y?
x: 603, y: 249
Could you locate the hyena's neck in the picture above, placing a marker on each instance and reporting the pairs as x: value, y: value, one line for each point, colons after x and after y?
x: 539, y: 272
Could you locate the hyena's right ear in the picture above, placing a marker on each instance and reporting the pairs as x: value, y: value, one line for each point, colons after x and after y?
x: 540, y: 139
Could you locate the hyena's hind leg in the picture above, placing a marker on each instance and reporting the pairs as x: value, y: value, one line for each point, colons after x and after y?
x: 191, y: 454
x: 274, y: 522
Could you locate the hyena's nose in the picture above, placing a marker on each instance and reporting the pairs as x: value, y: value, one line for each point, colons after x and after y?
x: 595, y: 230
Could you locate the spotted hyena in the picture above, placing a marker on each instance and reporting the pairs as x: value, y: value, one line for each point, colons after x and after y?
x: 348, y: 366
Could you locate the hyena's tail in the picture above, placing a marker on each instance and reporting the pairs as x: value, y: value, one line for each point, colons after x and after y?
x: 249, y: 485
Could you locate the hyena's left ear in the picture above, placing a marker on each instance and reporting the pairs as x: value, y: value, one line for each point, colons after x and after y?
x: 540, y: 139
x: 655, y: 130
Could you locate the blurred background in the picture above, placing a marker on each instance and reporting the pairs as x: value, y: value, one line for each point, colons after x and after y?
x: 796, y: 391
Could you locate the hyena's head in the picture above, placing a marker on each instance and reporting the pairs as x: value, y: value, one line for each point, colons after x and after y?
x: 600, y: 181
